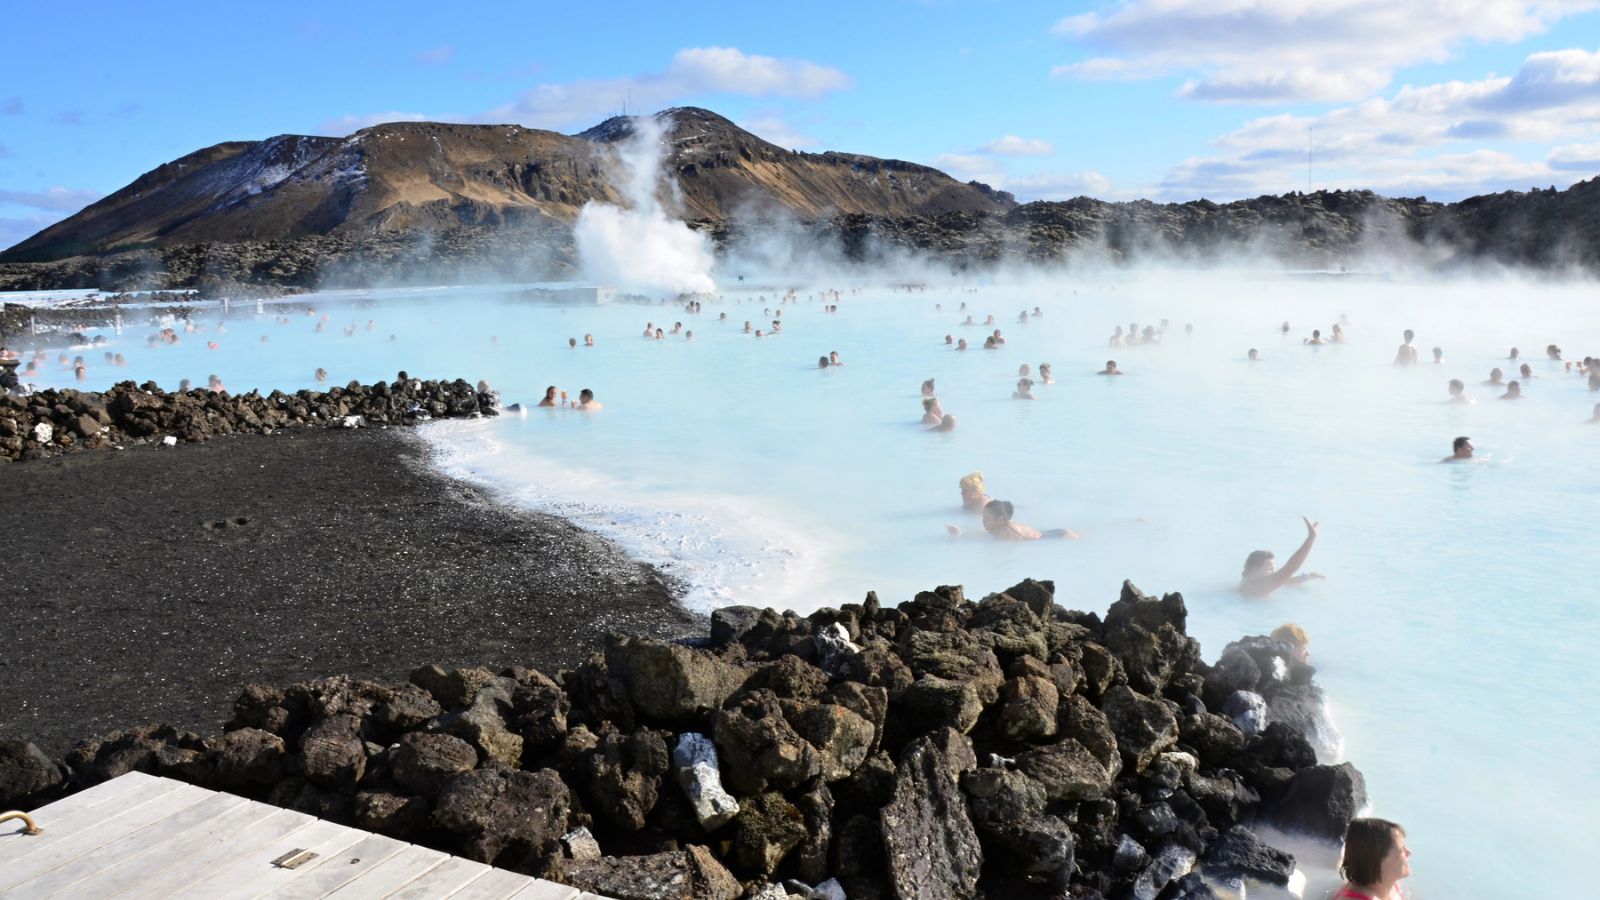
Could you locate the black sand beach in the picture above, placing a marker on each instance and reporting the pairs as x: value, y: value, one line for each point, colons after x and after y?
x: 150, y: 585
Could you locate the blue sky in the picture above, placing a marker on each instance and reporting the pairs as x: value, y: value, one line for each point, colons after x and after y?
x: 1166, y: 99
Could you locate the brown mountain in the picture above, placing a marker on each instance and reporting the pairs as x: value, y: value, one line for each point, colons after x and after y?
x: 431, y: 177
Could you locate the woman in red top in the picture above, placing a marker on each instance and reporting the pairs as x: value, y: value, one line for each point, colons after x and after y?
x: 1375, y: 859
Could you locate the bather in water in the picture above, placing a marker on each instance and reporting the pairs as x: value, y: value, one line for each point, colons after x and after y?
x: 1261, y: 576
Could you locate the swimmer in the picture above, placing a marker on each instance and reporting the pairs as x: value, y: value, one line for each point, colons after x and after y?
x: 1514, y: 353
x: 961, y: 344
x: 1595, y: 418
x: 1046, y: 374
x: 973, y: 496
x: 211, y: 345
x: 747, y: 326
x: 1527, y: 371
x: 588, y: 339
x: 759, y: 333
x: 1594, y: 381
x: 927, y: 388
x: 322, y: 374
x: 1253, y: 355
x: 1037, y: 312
x: 183, y: 386
x: 969, y: 321
x: 834, y: 359
x: 549, y: 400
x: 1023, y: 391
x: 1407, y: 354
x: 1316, y: 338
x: 688, y: 335
x: 660, y: 334
x: 989, y: 343
x: 1460, y: 451
x: 1375, y: 859
x: 1438, y: 355
x: 263, y: 339
x: 587, y: 402
x: 650, y: 329
x: 1458, y: 392
x: 1116, y: 338
x: 1261, y: 576
x: 1295, y: 636
x: 214, y: 385
x: 79, y: 371
x: 822, y: 362
x: 1513, y: 391
x: 1338, y: 334
x: 948, y: 423
x: 1110, y: 369
x: 1553, y: 352
x: 1023, y: 371
x: 997, y: 520
x: 1495, y: 378
x: 997, y: 338
x: 932, y: 412
x: 949, y: 339
x: 572, y: 343
x: 989, y: 320
x: 1285, y: 328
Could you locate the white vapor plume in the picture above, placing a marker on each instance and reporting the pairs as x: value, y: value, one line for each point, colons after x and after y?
x: 640, y: 248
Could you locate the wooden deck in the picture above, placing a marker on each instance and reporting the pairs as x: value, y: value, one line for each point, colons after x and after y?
x: 141, y: 837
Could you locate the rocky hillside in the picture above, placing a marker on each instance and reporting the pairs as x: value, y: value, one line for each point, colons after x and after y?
x: 428, y: 202
x: 426, y: 177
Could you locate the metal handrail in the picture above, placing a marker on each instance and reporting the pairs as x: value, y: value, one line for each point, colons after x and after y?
x: 30, y: 826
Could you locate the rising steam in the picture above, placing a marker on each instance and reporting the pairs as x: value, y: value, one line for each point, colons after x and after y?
x: 640, y: 248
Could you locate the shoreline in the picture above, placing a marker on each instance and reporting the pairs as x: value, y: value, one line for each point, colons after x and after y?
x: 141, y: 596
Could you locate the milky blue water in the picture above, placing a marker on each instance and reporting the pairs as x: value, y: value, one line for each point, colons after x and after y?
x: 1453, y: 633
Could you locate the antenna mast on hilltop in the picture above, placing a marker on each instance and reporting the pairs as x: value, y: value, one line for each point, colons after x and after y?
x: 1309, y: 129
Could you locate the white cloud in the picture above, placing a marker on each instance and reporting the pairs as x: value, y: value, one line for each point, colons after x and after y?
x: 1256, y: 51
x: 696, y: 71
x: 1036, y: 186
x: 775, y: 130
x: 1583, y: 158
x: 55, y: 199
x: 1011, y: 145
x: 1424, y: 138
x: 349, y: 124
x: 437, y: 56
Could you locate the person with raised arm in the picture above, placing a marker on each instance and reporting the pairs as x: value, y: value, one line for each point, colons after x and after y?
x: 1261, y: 575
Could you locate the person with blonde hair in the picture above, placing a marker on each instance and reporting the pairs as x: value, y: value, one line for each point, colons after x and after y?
x: 1375, y: 859
x: 973, y: 495
x: 1296, y: 637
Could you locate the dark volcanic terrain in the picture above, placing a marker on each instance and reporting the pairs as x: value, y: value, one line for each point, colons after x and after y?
x: 438, y: 202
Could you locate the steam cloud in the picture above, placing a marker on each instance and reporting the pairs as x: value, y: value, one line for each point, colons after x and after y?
x: 640, y: 248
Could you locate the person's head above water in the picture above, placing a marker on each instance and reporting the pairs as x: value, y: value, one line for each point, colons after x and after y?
x: 1295, y: 636
x: 1526, y: 370
x: 550, y: 392
x: 1513, y: 391
x: 1495, y: 375
x: 1375, y: 856
x: 1410, y: 335
x: 1253, y: 355
x: 1438, y: 354
x: 997, y: 513
x: 1456, y: 387
x: 1259, y: 562
x: 1461, y: 448
x: 927, y: 388
x: 822, y: 362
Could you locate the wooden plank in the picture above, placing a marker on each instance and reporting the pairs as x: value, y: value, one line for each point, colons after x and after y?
x: 495, y: 884
x: 321, y: 877
x: 540, y: 889
x: 70, y: 813
x: 442, y: 880
x: 391, y: 875
x: 174, y: 879
x: 163, y: 857
x: 251, y: 873
x: 68, y: 844
x: 114, y: 856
